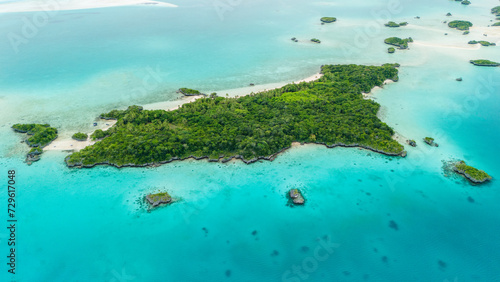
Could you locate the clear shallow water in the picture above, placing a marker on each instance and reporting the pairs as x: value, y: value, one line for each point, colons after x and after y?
x: 84, y: 225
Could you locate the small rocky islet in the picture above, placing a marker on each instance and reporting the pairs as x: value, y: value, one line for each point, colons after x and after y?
x: 158, y: 200
x: 430, y: 141
x: 295, y: 197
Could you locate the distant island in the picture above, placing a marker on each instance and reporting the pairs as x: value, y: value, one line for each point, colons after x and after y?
x: 41, y: 135
x: 496, y: 11
x: 474, y: 175
x: 396, y: 41
x: 483, y: 43
x: 484, y: 63
x: 460, y: 25
x: 391, y: 50
x: 394, y: 24
x: 316, y: 40
x: 328, y: 19
x: 190, y: 92
x: 330, y: 111
x: 466, y: 2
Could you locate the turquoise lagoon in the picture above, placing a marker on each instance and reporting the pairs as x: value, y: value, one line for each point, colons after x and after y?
x: 387, y: 219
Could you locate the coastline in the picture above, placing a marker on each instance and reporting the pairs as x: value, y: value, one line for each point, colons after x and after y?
x: 54, y: 6
x: 239, y: 157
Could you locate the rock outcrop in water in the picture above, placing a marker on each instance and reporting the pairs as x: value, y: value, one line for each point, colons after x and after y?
x: 156, y: 200
x: 295, y: 196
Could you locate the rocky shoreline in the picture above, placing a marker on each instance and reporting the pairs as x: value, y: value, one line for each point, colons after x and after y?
x: 272, y: 157
x: 295, y: 198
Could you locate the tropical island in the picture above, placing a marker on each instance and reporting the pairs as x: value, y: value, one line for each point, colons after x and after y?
x: 40, y: 136
x: 466, y: 2
x: 474, y: 175
x: 396, y: 41
x: 391, y: 50
x: 316, y: 40
x: 330, y: 111
x: 394, y: 24
x: 80, y: 136
x: 328, y: 19
x: 483, y: 43
x: 484, y: 63
x: 460, y: 25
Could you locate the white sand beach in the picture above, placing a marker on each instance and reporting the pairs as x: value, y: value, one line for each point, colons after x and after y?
x: 237, y: 92
x: 64, y: 5
x: 65, y: 144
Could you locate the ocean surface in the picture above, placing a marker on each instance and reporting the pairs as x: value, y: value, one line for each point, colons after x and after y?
x: 367, y: 217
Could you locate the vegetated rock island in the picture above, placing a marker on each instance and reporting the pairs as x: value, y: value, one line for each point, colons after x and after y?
x: 330, y: 111
x: 474, y: 175
x: 40, y: 135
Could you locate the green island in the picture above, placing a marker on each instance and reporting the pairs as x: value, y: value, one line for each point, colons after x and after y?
x: 80, y: 136
x: 316, y: 40
x: 40, y: 136
x: 396, y: 41
x: 466, y: 32
x: 460, y: 25
x: 474, y: 175
x: 158, y: 199
x: 391, y: 50
x: 483, y: 43
x: 328, y: 19
x: 330, y: 111
x: 496, y: 10
x: 484, y: 63
x: 496, y: 24
x: 466, y: 2
x: 394, y: 24
x: 190, y: 92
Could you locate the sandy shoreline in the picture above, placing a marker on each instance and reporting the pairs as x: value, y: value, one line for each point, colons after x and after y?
x: 48, y: 6
x: 236, y: 92
x: 68, y: 143
x: 470, y: 47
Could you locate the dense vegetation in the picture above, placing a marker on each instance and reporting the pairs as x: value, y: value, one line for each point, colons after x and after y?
x: 328, y: 19
x: 40, y: 136
x: 466, y: 2
x: 396, y: 41
x: 496, y: 24
x: 484, y: 63
x: 80, y: 136
x: 330, y: 111
x: 391, y: 50
x: 394, y: 24
x: 471, y: 173
x: 460, y: 25
x: 316, y: 40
